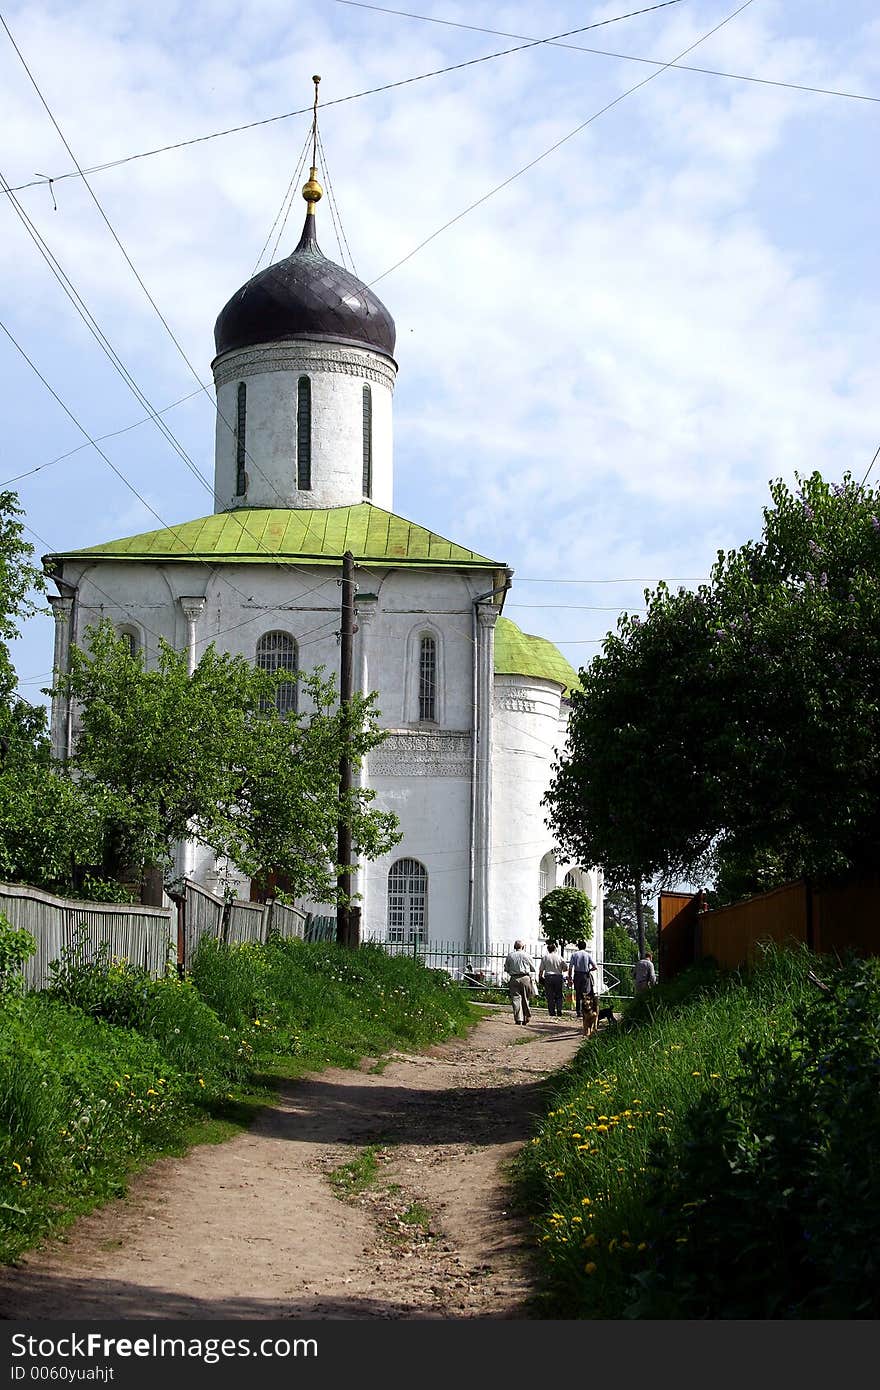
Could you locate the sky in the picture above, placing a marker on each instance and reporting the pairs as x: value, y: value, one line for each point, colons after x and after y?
x: 602, y: 365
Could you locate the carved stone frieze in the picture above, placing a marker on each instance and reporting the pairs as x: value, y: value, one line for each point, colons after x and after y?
x: 302, y: 357
x: 428, y: 753
x: 518, y: 703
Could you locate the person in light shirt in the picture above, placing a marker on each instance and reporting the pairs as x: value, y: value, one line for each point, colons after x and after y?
x: 581, y: 967
x: 646, y: 975
x: 551, y: 973
x: 521, y: 970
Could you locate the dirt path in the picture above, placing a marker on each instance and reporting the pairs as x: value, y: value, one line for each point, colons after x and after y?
x: 254, y: 1229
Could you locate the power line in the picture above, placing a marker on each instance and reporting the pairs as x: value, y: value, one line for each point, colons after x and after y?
x: 537, y: 160
x: 626, y: 57
x: 97, y: 333
x: 147, y: 419
x: 870, y: 466
x: 336, y: 101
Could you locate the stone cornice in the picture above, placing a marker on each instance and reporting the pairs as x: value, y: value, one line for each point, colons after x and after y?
x: 304, y: 357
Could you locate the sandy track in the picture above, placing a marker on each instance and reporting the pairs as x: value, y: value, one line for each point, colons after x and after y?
x: 253, y: 1229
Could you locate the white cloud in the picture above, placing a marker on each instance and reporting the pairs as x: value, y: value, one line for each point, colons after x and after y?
x: 600, y: 367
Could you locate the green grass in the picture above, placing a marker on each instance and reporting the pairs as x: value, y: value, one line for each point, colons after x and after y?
x: 661, y: 1094
x: 417, y: 1214
x: 109, y: 1070
x: 357, y: 1174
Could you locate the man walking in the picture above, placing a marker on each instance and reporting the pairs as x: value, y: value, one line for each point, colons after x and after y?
x: 645, y: 974
x: 519, y: 987
x: 580, y: 971
x: 551, y: 974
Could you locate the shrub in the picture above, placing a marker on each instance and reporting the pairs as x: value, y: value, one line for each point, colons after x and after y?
x: 566, y: 915
x: 769, y: 1201
x: 16, y: 946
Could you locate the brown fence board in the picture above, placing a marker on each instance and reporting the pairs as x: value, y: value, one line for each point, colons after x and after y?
x: 730, y: 934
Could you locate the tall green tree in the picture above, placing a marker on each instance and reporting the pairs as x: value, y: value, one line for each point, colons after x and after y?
x: 208, y: 756
x: 735, y: 731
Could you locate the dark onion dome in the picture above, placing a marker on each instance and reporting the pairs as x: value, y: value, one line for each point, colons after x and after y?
x: 305, y: 296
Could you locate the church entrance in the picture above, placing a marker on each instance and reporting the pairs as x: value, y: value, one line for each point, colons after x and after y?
x: 407, y: 902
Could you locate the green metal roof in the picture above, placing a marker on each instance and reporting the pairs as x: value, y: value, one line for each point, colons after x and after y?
x: 518, y: 653
x: 310, y: 536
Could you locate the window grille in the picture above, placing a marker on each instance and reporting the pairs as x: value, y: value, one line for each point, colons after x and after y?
x: 276, y: 651
x: 304, y: 434
x: 570, y: 880
x: 241, y: 480
x: 407, y: 902
x: 428, y: 678
x: 368, y: 441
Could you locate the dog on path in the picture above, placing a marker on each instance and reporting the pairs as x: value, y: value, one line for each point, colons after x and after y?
x: 590, y: 1015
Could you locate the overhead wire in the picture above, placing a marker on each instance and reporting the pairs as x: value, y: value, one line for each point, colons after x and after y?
x: 607, y: 53
x: 103, y: 342
x: 130, y: 263
x: 335, y: 212
x: 505, y: 183
x: 43, y: 179
x: 147, y: 419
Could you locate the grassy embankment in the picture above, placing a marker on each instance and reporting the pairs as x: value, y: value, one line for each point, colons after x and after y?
x: 108, y: 1069
x: 714, y: 1156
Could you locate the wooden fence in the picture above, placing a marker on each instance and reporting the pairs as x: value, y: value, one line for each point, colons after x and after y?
x: 829, y: 918
x: 204, y: 914
x: 151, y: 937
x: 143, y: 935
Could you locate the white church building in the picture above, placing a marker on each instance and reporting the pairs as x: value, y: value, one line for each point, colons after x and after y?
x: 304, y: 471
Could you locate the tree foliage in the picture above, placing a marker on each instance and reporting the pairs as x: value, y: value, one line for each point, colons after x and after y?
x: 566, y: 915
x: 735, y: 730
x: 168, y: 755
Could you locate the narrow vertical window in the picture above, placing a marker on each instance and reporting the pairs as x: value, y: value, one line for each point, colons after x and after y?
x: 276, y: 651
x: 427, y: 678
x: 368, y: 441
x: 304, y: 434
x: 241, y: 479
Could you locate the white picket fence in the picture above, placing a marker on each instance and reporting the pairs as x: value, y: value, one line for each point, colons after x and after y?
x: 147, y: 936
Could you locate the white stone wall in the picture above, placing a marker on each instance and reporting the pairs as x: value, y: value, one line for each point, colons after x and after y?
x: 525, y: 734
x: 423, y: 772
x: 271, y: 373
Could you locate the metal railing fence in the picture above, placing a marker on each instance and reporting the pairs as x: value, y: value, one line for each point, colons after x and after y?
x: 486, y: 969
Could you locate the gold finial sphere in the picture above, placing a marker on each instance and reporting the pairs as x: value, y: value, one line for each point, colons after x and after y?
x: 312, y: 190
x: 316, y: 80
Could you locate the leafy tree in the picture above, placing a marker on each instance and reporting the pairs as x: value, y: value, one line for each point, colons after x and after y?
x: 620, y: 913
x: 566, y: 915
x: 169, y: 756
x: 618, y: 945
x: 735, y: 731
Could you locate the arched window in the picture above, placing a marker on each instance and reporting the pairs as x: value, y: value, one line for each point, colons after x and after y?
x: 241, y: 477
x: 408, y: 902
x: 368, y: 442
x: 132, y: 639
x: 304, y: 434
x: 276, y: 651
x: 570, y: 880
x: 428, y: 678
x: 547, y: 875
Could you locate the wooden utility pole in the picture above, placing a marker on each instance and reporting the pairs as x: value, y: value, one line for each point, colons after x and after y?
x: 344, y: 917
